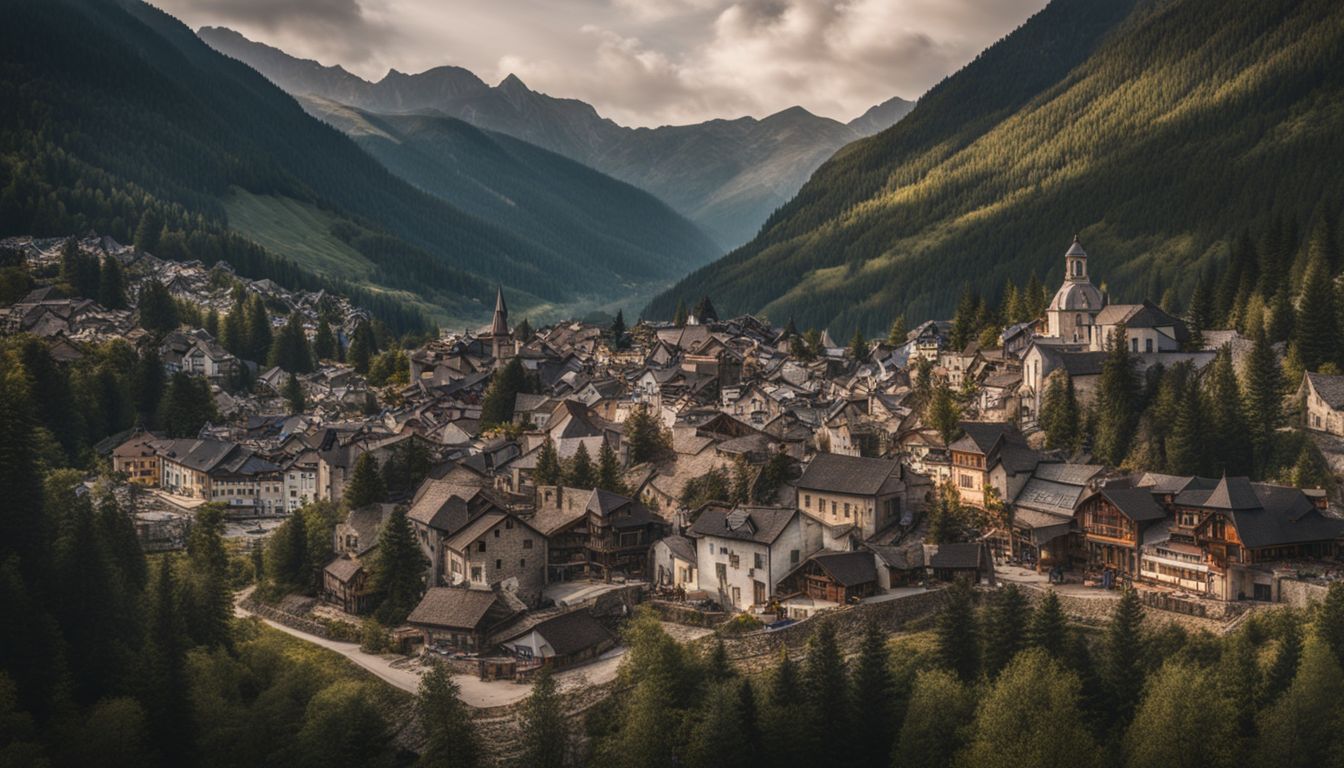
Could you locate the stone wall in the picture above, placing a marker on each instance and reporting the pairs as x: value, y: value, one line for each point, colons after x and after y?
x: 1299, y: 593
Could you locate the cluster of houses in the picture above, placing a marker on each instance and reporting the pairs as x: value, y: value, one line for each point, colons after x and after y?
x: 734, y: 396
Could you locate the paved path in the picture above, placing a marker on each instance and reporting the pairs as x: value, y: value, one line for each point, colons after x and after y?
x: 404, y: 673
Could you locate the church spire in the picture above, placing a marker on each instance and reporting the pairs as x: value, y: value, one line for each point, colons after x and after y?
x: 500, y: 326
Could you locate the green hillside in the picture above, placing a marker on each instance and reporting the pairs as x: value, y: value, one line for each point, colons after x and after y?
x: 1158, y: 130
x: 532, y: 193
x: 118, y: 118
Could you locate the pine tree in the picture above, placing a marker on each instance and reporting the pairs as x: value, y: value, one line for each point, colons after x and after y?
x: 618, y: 330
x: 958, y: 635
x: 1317, y: 329
x: 362, y: 348
x: 1048, y: 629
x: 1005, y: 628
x: 679, y: 317
x: 548, y: 471
x: 1226, y: 423
x: 166, y: 683
x: 1302, y: 728
x: 502, y: 394
x: 896, y: 333
x: 1200, y: 316
x: 289, y: 349
x: 750, y: 716
x: 112, y: 285
x: 324, y: 342
x: 646, y: 439
x: 1031, y: 717
x: 545, y: 734
x: 117, y: 529
x: 186, y: 406
x: 1060, y: 417
x: 1281, y: 673
x: 1124, y: 670
x: 964, y: 322
x: 609, y: 470
x: 784, y: 714
x: 774, y: 475
x: 451, y: 740
x: 286, y: 556
x: 1280, y: 321
x: 1182, y: 700
x: 1239, y: 682
x: 156, y: 308
x: 581, y: 473
x: 293, y: 393
x: 1185, y: 446
x: 398, y: 569
x: 257, y: 329
x: 1262, y: 401
x: 934, y: 727
x: 366, y: 484
x: 1117, y: 401
x: 523, y: 332
x: 870, y: 715
x: 942, y: 413
x: 1330, y: 620
x: 211, y: 596
x: 717, y: 740
x: 858, y: 346
x: 717, y: 666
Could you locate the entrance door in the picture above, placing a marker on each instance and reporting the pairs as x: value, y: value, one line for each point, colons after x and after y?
x: 758, y: 592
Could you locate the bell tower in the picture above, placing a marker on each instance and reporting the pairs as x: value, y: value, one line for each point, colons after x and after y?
x: 1075, y: 263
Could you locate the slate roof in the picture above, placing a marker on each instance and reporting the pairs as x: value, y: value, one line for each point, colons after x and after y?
x: 958, y: 555
x: 681, y: 547
x: 1135, y: 503
x: 759, y: 524
x: 452, y: 607
x: 571, y: 632
x: 1329, y: 388
x: 847, y: 474
x: 849, y: 569
x: 1145, y: 315
x: 344, y: 568
x: 200, y: 455
x: 1286, y: 516
x: 1232, y: 493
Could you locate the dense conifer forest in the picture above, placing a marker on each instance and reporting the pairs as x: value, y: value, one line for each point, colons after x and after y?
x: 1157, y: 130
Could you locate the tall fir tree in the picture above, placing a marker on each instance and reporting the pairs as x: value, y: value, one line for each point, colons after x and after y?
x: 112, y: 285
x: 293, y: 393
x: 398, y: 570
x: 1124, y: 667
x: 324, y: 341
x: 1005, y: 628
x: 581, y: 473
x: 618, y: 330
x: 958, y: 635
x: 1049, y: 629
x: 1317, y: 329
x: 497, y: 407
x: 609, y: 470
x: 548, y: 471
x: 1262, y: 401
x: 871, y: 710
x: 451, y: 741
x: 366, y: 484
x: 544, y: 731
x: 1117, y: 401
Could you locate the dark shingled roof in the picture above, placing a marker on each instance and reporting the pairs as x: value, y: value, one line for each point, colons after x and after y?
x: 1232, y: 493
x: 959, y: 555
x: 343, y: 568
x: 1135, y: 503
x: 849, y: 569
x: 572, y: 632
x: 452, y: 607
x: 759, y: 524
x: 1330, y: 388
x: 847, y: 474
x: 681, y: 547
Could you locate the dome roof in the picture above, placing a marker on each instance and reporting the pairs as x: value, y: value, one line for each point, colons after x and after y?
x: 1073, y: 296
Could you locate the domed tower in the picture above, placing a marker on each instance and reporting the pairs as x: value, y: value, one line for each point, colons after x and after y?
x: 1073, y: 312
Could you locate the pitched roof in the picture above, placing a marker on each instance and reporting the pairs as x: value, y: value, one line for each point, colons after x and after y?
x: 572, y: 632
x: 1232, y: 493
x: 1285, y: 516
x: 759, y: 524
x: 452, y: 607
x: 681, y: 547
x: 847, y: 474
x: 1135, y: 503
x: 848, y: 568
x: 344, y: 568
x: 1329, y: 388
x: 957, y: 555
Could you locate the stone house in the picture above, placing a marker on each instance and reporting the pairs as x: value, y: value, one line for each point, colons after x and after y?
x: 497, y: 550
x: 852, y: 496
x: 1322, y: 396
x: 743, y: 553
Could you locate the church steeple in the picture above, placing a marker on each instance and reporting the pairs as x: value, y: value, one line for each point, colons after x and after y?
x: 500, y: 326
x: 1075, y: 263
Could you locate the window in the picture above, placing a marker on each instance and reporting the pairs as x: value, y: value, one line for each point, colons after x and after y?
x: 833, y: 507
x: 527, y: 543
x: 480, y: 546
x: 475, y: 573
x: 793, y: 557
x: 499, y: 565
x: 846, y: 510
x: 807, y: 501
x: 508, y: 523
x: 522, y: 562
x: 734, y: 560
x: 759, y: 560
x: 496, y: 533
x: 1134, y: 345
x: 965, y: 481
x: 1147, y: 345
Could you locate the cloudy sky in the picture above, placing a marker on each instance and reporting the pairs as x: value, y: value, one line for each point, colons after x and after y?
x: 644, y: 62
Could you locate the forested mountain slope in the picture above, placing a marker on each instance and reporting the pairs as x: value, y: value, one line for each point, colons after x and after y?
x: 114, y: 111
x: 528, y: 191
x: 1157, y: 129
x: 724, y: 175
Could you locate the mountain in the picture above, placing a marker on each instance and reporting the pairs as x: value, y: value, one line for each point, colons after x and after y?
x: 1156, y: 129
x: 724, y: 175
x: 150, y: 133
x: 528, y: 191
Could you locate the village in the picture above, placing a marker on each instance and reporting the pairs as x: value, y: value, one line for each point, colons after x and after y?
x: 725, y: 470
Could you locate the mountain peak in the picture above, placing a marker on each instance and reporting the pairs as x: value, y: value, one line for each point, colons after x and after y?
x: 512, y: 83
